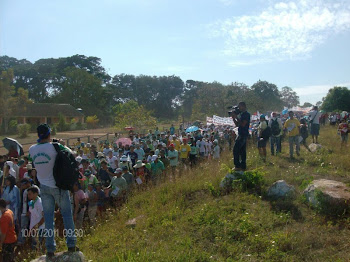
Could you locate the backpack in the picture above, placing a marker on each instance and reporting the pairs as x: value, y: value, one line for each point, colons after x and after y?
x: 275, y: 128
x: 267, y: 132
x: 66, y: 170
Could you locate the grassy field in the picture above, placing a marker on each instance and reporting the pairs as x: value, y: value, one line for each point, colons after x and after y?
x: 189, y: 220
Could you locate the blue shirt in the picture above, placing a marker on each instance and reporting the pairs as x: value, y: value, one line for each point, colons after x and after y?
x: 244, y: 131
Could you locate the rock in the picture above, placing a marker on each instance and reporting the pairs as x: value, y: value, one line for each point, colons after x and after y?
x: 133, y: 222
x: 226, y: 182
x: 280, y: 189
x: 64, y: 257
x: 314, y: 147
x: 328, y: 196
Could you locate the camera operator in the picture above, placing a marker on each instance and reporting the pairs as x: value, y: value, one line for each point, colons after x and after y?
x: 241, y: 118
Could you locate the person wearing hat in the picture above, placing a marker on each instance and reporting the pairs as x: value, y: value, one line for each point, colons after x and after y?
x: 89, y: 178
x: 157, y: 168
x: 43, y: 155
x: 129, y: 178
x: 118, y: 185
x: 262, y: 140
x: 292, y: 126
x: 124, y: 161
x: 140, y: 171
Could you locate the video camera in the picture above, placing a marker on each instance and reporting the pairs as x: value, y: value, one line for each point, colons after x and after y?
x: 233, y: 109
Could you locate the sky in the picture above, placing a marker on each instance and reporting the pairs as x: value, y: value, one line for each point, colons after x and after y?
x: 303, y: 44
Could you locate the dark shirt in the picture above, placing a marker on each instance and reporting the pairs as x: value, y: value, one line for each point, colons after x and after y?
x: 129, y: 178
x: 133, y: 157
x: 244, y: 131
x: 104, y: 175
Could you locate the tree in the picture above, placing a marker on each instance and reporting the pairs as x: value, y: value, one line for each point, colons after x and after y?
x: 306, y: 104
x: 83, y: 90
x: 337, y: 99
x: 269, y: 95
x: 289, y: 97
x: 132, y: 114
x: 6, y: 92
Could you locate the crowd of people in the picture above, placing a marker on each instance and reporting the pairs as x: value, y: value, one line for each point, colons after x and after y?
x: 109, y: 172
x: 32, y: 207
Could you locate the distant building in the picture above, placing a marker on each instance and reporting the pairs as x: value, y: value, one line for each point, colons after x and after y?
x: 37, y: 113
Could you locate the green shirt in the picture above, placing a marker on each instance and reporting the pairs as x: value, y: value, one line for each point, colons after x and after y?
x: 157, y: 168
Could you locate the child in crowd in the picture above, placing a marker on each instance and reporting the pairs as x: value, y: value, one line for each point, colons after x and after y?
x: 36, y: 211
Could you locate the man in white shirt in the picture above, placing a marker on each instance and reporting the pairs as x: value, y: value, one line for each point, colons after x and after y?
x: 314, y: 117
x: 44, y: 155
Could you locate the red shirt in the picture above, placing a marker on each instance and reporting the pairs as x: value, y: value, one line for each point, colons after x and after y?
x: 7, y: 227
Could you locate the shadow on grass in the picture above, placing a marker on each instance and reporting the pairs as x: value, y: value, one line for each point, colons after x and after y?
x: 287, y: 206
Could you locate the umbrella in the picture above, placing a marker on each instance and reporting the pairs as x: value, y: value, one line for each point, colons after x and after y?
x: 124, y: 141
x: 192, y: 129
x: 10, y: 143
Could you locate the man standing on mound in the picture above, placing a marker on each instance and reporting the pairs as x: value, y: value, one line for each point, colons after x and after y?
x: 44, y: 155
x: 292, y: 126
x: 241, y: 120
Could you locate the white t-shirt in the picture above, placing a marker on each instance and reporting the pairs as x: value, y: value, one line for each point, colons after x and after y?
x: 173, y: 162
x: 44, y: 156
x: 36, y: 214
x: 315, y: 115
x: 111, y: 162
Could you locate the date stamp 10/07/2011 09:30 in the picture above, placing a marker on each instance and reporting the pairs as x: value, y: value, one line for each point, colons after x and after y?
x: 35, y: 232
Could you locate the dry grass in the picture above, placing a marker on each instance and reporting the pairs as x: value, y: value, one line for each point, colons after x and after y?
x: 185, y: 220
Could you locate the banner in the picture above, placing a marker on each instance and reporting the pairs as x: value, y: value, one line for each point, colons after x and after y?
x: 220, y: 121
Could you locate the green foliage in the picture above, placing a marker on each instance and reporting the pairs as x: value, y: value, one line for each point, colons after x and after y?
x: 92, y: 121
x: 23, y: 130
x: 62, y: 124
x: 289, y: 97
x: 250, y: 179
x: 131, y: 114
x: 337, y: 98
x: 13, y: 126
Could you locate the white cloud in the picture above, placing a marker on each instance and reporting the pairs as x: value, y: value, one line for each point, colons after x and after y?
x: 284, y: 30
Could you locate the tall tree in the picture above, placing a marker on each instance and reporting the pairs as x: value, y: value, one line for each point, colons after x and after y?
x: 337, y: 99
x: 268, y: 93
x: 6, y: 91
x: 83, y: 90
x: 289, y: 97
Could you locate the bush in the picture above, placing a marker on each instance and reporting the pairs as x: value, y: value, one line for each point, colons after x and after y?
x: 23, y: 130
x: 92, y: 121
x: 13, y: 126
x: 62, y: 124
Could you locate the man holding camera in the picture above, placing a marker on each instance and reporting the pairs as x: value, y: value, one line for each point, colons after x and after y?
x: 241, y: 118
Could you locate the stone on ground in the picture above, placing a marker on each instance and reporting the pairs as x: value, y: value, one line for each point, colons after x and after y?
x: 329, y: 196
x: 133, y: 222
x: 314, y: 147
x: 280, y: 189
x: 63, y: 257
